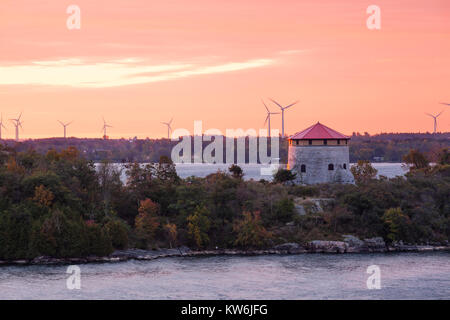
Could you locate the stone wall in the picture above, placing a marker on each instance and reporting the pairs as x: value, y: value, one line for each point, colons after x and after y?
x: 317, y: 159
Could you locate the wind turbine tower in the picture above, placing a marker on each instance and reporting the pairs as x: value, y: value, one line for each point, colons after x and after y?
x: 169, y: 128
x: 65, y: 126
x: 282, y: 113
x: 268, y: 116
x: 17, y: 124
x: 435, y: 119
x: 1, y: 126
x: 105, y: 125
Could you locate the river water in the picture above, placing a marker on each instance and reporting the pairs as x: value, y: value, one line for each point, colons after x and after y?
x: 259, y: 171
x: 305, y: 276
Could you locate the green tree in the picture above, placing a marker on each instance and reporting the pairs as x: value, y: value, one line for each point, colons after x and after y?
x: 198, y: 227
x: 118, y: 233
x: 284, y: 176
x: 444, y: 156
x: 397, y: 223
x: 236, y: 171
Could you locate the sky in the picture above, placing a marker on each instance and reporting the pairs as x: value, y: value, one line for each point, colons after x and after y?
x: 138, y: 63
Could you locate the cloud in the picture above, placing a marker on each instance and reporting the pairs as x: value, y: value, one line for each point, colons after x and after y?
x: 126, y: 71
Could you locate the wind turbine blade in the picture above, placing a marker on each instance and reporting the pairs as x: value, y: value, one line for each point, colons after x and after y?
x: 170, y: 122
x: 446, y: 104
x: 265, y: 106
x: 429, y: 115
x: 61, y: 123
x: 69, y: 123
x: 276, y: 103
x: 439, y: 113
x: 294, y: 103
x: 267, y: 118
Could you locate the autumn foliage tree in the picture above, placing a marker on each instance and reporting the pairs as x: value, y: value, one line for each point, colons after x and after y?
x: 416, y: 160
x: 171, y: 233
x: 146, y: 222
x: 363, y: 172
x: 250, y: 232
x: 43, y: 196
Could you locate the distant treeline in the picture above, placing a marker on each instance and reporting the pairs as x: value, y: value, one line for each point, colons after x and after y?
x: 385, y: 147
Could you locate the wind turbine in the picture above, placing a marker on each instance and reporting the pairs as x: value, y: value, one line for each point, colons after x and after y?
x: 435, y: 119
x: 105, y: 125
x: 65, y: 126
x: 1, y: 125
x: 268, y: 115
x: 282, y: 113
x: 17, y: 124
x: 169, y: 128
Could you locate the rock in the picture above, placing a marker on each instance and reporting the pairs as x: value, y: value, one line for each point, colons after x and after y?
x: 320, y: 246
x: 303, y: 206
x: 376, y: 244
x: 354, y: 244
x: 291, y: 248
x: 299, y: 209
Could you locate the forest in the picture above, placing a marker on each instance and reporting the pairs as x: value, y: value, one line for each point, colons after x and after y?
x: 58, y: 204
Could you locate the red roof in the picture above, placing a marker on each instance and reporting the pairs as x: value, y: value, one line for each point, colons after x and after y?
x: 318, y: 131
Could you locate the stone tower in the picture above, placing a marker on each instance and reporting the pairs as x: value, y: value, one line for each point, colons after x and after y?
x: 320, y: 154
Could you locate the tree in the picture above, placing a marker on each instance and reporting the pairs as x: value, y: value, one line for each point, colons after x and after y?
x: 416, y: 160
x: 444, y: 156
x: 397, y: 223
x: 198, y: 226
x: 171, y: 233
x: 118, y: 232
x: 236, y: 171
x: 43, y: 196
x: 363, y: 172
x: 284, y: 176
x: 146, y: 221
x: 250, y: 233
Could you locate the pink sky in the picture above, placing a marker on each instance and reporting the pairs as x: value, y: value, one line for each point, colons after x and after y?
x: 140, y: 62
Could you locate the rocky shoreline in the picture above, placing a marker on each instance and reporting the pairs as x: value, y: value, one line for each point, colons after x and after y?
x: 350, y: 244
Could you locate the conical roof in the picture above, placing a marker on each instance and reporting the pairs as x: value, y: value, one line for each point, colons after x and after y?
x: 318, y: 131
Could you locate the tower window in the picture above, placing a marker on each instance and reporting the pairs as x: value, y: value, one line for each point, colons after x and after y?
x: 325, y: 142
x: 344, y: 166
x: 331, y: 166
x: 297, y: 142
x: 339, y: 141
x: 302, y: 168
x: 310, y: 142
